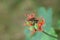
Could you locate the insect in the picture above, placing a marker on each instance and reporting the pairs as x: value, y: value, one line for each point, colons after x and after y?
x: 35, y: 24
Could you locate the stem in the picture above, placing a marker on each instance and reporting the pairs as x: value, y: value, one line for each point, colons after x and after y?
x: 50, y: 35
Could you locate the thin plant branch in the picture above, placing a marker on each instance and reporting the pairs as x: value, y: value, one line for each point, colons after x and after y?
x: 50, y: 35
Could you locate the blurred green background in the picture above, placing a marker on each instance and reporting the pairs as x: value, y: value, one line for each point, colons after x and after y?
x: 12, y: 17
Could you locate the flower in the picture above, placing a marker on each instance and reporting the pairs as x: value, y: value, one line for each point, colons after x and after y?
x: 35, y: 23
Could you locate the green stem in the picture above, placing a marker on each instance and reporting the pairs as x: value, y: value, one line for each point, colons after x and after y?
x: 50, y: 35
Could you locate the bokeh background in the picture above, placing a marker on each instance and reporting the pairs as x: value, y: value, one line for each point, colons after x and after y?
x: 12, y: 17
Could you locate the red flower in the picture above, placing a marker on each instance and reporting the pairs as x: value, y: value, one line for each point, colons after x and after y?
x: 40, y: 24
x: 30, y: 16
